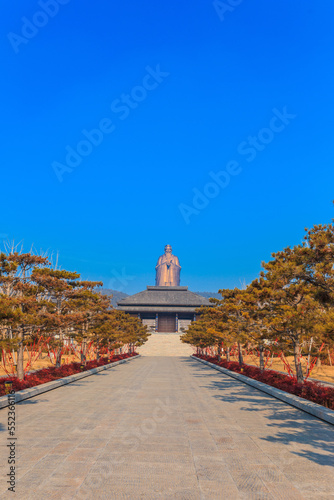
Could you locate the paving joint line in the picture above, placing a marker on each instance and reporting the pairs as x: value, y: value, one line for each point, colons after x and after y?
x: 55, y: 384
x: 302, y: 404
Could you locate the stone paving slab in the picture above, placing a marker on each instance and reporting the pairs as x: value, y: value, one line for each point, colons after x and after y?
x: 165, y: 344
x: 167, y: 427
x: 54, y: 384
x: 301, y: 403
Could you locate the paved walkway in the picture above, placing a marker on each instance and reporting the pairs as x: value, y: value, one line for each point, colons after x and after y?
x: 167, y: 428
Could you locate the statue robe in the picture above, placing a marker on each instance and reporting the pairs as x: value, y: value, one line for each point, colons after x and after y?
x: 168, y: 270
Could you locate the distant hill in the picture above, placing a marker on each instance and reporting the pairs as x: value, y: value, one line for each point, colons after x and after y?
x: 207, y: 295
x: 116, y: 295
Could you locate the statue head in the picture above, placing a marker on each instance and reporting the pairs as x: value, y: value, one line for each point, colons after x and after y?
x: 168, y: 249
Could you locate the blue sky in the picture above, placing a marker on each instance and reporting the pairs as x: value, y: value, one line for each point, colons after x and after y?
x: 196, y: 90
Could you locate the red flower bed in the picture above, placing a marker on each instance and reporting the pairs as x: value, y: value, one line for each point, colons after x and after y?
x: 53, y: 373
x: 313, y: 391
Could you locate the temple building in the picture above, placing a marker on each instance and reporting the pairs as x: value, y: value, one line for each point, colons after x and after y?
x: 166, y: 307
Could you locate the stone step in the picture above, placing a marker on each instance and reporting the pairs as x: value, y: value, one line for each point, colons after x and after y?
x: 165, y: 344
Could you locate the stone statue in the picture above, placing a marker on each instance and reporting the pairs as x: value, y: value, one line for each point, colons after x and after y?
x: 168, y: 269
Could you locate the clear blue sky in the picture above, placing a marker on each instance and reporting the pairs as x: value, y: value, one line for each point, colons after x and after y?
x: 220, y: 80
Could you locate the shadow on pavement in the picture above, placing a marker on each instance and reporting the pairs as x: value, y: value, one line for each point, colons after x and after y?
x: 289, y: 425
x: 31, y: 401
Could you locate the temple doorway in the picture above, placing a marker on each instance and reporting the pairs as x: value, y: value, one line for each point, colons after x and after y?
x: 167, y: 323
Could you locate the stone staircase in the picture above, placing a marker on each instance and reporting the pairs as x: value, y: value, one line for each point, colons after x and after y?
x: 165, y: 344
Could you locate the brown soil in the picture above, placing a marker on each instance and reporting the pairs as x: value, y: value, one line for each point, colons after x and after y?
x: 43, y: 361
x: 323, y: 372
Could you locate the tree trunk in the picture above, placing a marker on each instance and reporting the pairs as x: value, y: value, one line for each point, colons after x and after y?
x: 19, y: 367
x: 60, y: 349
x: 13, y: 351
x: 309, y: 357
x: 298, y: 365
x: 261, y: 358
x: 219, y: 351
x: 83, y: 353
x: 241, y: 360
x: 58, y: 357
x: 228, y: 359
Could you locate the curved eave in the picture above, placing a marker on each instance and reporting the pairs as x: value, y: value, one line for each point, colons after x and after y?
x: 157, y: 309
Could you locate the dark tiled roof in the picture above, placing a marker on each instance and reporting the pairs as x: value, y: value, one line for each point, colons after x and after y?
x: 165, y: 296
x: 159, y: 309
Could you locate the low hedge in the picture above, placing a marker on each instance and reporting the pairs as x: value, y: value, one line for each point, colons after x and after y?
x: 312, y: 391
x: 52, y: 373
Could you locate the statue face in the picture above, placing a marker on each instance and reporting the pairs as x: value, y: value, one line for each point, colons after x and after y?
x: 168, y: 249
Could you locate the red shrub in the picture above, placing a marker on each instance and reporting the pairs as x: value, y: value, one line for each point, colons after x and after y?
x: 53, y: 373
x: 313, y: 391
